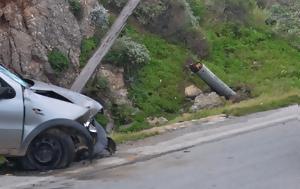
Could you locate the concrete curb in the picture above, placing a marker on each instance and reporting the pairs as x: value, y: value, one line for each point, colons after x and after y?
x: 189, y: 140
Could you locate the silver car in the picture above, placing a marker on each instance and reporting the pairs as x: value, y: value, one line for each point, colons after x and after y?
x: 44, y: 127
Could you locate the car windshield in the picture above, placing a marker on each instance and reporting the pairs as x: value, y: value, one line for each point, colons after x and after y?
x: 14, y: 77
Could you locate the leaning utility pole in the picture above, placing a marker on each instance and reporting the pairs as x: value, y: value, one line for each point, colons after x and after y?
x: 106, y: 44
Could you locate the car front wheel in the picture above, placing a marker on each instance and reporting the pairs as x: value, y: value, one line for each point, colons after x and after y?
x: 53, y: 149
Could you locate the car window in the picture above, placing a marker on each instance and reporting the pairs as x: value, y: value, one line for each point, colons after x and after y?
x: 3, y: 83
x: 4, y: 86
x: 13, y: 76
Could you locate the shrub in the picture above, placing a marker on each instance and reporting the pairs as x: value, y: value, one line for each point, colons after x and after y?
x: 76, y: 8
x: 122, y: 114
x: 232, y: 10
x: 128, y: 54
x: 127, y: 51
x: 88, y: 46
x: 286, y: 18
x: 198, y: 8
x: 103, y: 84
x: 147, y: 11
x: 193, y: 39
x: 58, y: 61
x: 100, y: 18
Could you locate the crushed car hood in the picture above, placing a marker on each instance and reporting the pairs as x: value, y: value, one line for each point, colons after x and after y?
x: 93, y: 106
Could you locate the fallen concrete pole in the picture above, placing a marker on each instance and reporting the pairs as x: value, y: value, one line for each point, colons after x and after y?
x: 212, y: 80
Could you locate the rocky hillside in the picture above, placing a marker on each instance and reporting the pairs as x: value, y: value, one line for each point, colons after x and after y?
x: 252, y: 45
x: 31, y: 29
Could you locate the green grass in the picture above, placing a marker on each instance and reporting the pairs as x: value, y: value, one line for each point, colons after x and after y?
x: 132, y: 136
x: 158, y: 88
x: 88, y: 46
x: 263, y: 106
x: 259, y: 104
x: 242, y: 56
x: 198, y: 8
x: 255, y: 58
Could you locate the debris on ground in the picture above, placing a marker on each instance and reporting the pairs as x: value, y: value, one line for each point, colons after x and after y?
x: 207, y: 101
x: 192, y: 91
x: 156, y: 121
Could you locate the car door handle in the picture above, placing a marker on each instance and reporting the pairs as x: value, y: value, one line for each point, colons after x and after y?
x: 38, y: 111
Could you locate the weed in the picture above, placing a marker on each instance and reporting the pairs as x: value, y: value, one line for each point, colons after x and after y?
x: 58, y: 61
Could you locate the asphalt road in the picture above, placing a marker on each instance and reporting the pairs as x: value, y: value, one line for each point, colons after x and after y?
x: 259, y: 151
x: 267, y: 158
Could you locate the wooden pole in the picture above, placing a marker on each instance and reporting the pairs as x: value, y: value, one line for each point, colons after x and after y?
x: 105, y: 46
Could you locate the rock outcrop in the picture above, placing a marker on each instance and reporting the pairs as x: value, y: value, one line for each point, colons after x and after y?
x: 192, y: 91
x: 118, y: 93
x: 207, y: 101
x: 30, y: 29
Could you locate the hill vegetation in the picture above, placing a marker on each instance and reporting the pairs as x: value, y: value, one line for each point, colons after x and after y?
x: 252, y: 45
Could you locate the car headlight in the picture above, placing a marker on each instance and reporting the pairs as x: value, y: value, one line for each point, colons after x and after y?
x: 90, y: 127
x: 87, y: 124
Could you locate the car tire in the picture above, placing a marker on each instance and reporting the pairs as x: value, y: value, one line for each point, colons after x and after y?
x: 53, y: 149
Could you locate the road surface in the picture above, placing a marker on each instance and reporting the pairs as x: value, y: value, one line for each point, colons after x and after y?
x: 240, y: 153
x: 268, y: 158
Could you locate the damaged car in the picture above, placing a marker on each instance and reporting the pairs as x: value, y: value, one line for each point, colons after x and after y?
x: 43, y: 126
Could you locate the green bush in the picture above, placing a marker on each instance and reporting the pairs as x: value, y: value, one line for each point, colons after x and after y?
x: 88, y: 46
x: 100, y: 18
x: 122, y: 114
x: 102, y: 120
x: 239, y: 11
x: 128, y: 54
x: 198, y: 8
x: 285, y: 19
x: 103, y: 84
x: 127, y: 51
x: 147, y: 11
x: 58, y: 61
x: 76, y: 8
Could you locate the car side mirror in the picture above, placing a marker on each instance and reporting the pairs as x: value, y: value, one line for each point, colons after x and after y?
x: 7, y: 93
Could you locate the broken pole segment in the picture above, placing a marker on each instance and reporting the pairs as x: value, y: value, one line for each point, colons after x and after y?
x: 212, y: 80
x: 105, y: 46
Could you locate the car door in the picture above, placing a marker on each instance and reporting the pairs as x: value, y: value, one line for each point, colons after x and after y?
x: 11, y: 114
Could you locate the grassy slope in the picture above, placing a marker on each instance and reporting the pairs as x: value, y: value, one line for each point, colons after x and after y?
x: 249, y: 55
x: 241, y: 55
x: 265, y: 63
x: 255, y: 58
x: 158, y: 89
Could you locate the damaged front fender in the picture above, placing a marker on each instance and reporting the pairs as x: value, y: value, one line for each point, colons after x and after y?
x: 104, y: 143
x: 60, y: 124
